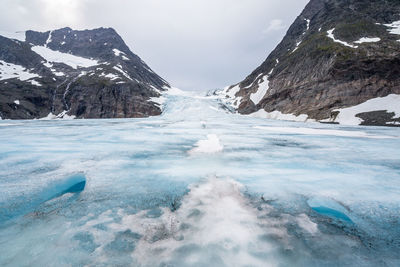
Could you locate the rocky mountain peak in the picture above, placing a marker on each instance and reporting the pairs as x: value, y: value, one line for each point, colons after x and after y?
x: 85, y: 74
x: 336, y: 55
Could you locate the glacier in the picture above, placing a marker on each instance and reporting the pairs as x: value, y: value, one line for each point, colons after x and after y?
x: 198, y: 186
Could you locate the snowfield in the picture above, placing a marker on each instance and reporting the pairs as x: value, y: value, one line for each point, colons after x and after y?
x: 198, y: 186
x: 10, y: 71
x: 60, y: 57
x: 390, y: 103
x: 261, y: 91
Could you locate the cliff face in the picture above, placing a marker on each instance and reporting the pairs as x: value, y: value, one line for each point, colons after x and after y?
x: 83, y: 74
x: 337, y: 54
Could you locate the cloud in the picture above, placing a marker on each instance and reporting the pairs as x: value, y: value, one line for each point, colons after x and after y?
x: 62, y: 12
x: 275, y: 25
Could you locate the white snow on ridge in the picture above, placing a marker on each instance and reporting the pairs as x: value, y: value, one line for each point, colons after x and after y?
x: 36, y: 83
x: 347, y: 116
x: 368, y: 40
x: 277, y: 115
x: 118, y: 53
x: 16, y: 102
x: 110, y: 76
x: 330, y: 35
x: 58, y: 73
x: 258, y: 76
x: 20, y: 36
x: 230, y: 94
x: 10, y: 71
x: 261, y: 91
x: 119, y: 68
x: 395, y: 27
x: 49, y: 39
x: 47, y: 64
x: 68, y: 59
x: 299, y: 42
x: 210, y: 145
x: 360, y: 41
x: 297, y: 45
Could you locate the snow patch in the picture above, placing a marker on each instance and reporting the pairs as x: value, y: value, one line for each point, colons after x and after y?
x: 119, y: 68
x: 10, y: 71
x: 35, y: 83
x: 110, y: 76
x: 299, y: 42
x: 47, y: 64
x: 16, y: 102
x: 395, y: 27
x: 261, y: 91
x: 228, y: 96
x: 297, y: 45
x: 231, y: 93
x: 308, y: 23
x: 58, y: 73
x: 367, y: 40
x: 48, y: 39
x: 347, y: 116
x: 210, y: 145
x: 330, y: 35
x: 68, y: 59
x: 118, y: 53
x: 258, y: 76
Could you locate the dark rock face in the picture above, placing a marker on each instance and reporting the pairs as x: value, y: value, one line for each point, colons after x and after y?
x: 309, y: 73
x: 117, y: 85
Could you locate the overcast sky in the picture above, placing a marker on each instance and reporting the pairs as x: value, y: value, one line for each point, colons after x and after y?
x: 193, y: 44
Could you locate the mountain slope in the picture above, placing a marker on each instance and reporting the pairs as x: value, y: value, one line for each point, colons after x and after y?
x: 337, y: 54
x: 67, y: 73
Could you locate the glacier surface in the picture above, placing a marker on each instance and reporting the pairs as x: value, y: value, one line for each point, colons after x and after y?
x: 198, y: 186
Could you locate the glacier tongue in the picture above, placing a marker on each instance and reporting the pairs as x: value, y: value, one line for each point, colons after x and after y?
x: 198, y: 186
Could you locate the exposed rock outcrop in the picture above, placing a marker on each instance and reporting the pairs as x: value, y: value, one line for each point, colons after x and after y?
x: 337, y: 54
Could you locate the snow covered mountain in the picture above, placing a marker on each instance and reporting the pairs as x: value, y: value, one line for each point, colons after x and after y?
x: 338, y: 63
x: 74, y: 74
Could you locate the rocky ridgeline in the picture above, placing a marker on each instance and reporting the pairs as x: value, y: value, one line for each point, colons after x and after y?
x: 338, y: 63
x: 82, y: 74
